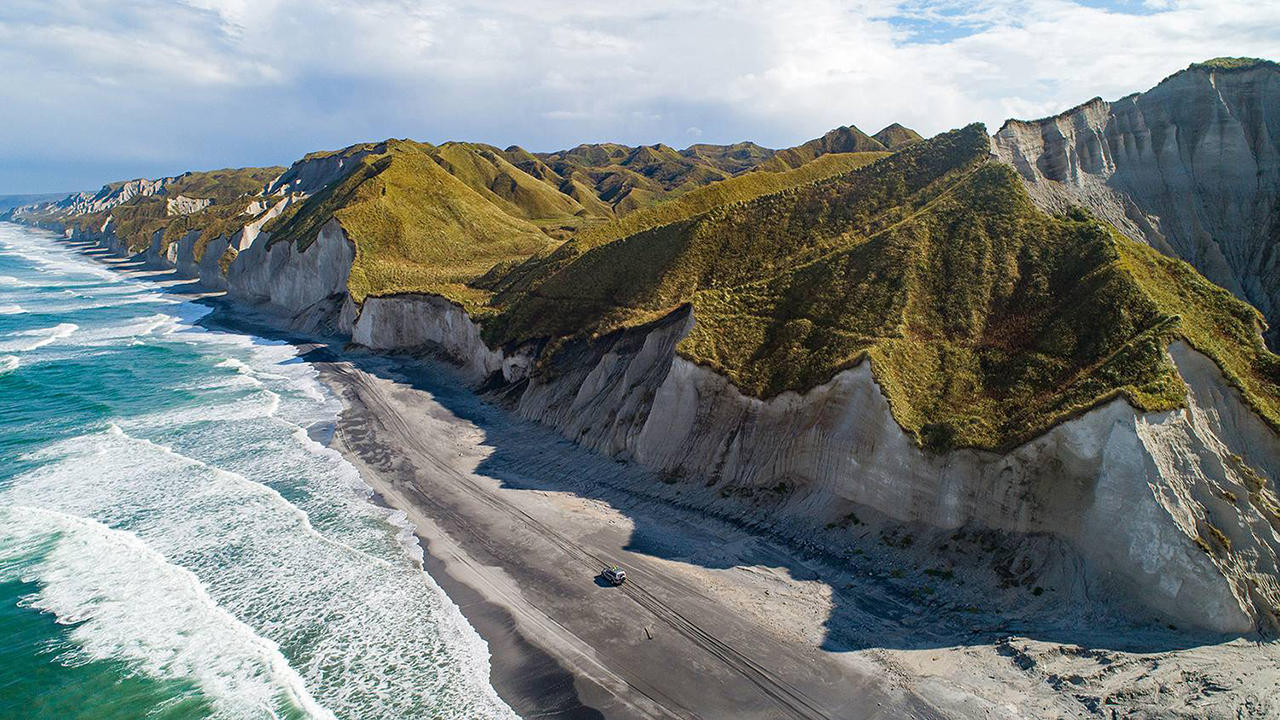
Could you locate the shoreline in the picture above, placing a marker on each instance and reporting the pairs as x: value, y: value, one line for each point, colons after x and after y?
x: 534, y: 683
x: 531, y: 681
x: 514, y: 519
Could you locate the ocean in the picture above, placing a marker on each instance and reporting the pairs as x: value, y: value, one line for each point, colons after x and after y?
x: 173, y: 541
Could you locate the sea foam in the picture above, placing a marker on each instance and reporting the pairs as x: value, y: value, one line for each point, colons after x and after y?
x: 128, y: 604
x: 43, y: 336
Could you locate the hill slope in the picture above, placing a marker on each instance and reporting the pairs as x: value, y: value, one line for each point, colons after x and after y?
x: 416, y: 227
x: 136, y: 210
x: 896, y: 137
x: 987, y: 321
x: 733, y: 190
x: 845, y: 139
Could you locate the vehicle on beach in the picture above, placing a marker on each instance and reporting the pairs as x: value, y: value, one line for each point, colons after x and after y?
x: 615, y: 575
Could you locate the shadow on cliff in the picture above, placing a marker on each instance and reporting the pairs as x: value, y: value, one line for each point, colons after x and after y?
x: 892, y: 586
x: 883, y: 593
x: 138, y: 267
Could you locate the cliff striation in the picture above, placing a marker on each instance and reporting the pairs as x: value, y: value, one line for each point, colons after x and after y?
x: 1191, y: 167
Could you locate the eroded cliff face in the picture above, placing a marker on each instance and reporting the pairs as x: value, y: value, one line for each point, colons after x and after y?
x: 306, y: 286
x: 1145, y: 498
x: 1168, y: 515
x: 208, y: 263
x: 315, y: 172
x: 104, y: 236
x: 1191, y: 166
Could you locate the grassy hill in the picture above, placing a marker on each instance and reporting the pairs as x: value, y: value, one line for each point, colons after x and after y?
x: 506, y: 281
x: 896, y: 137
x: 986, y: 320
x: 846, y: 139
x: 416, y: 227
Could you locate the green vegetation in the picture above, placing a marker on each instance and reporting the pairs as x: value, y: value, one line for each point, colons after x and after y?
x: 733, y: 159
x: 896, y: 137
x: 519, y: 194
x: 1233, y: 63
x: 986, y: 320
x: 508, y: 280
x: 416, y: 227
x: 137, y: 220
x: 222, y: 186
x: 1227, y: 64
x: 846, y: 139
x: 624, y: 178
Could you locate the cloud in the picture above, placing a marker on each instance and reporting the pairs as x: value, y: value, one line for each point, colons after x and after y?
x: 156, y: 86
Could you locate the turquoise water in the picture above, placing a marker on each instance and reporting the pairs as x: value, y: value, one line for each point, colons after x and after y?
x: 173, y: 544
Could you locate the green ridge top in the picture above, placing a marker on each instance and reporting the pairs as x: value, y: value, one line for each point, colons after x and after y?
x: 1232, y: 63
x: 137, y: 220
x: 416, y: 227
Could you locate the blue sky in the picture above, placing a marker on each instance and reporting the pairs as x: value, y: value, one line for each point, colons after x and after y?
x: 98, y: 91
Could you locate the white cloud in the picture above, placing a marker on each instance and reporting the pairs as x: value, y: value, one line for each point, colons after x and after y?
x: 172, y: 84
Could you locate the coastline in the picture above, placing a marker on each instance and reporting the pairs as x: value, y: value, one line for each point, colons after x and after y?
x: 518, y: 550
x: 720, y: 620
x: 506, y: 552
x: 534, y: 683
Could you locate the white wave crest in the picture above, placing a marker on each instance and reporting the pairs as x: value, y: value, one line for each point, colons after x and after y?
x: 44, y: 336
x: 129, y: 604
x: 371, y: 635
x: 11, y: 309
x: 8, y: 363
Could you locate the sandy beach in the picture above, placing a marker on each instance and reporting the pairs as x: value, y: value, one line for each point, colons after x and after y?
x: 663, y: 645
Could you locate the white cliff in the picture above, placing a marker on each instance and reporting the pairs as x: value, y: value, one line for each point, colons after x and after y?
x: 1145, y: 498
x: 314, y: 172
x: 183, y: 205
x: 1191, y: 166
x: 308, y: 286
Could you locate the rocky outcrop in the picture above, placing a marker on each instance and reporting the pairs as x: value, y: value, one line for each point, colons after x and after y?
x: 308, y: 285
x: 314, y: 172
x: 408, y: 322
x: 183, y: 205
x: 215, y: 259
x: 1162, y: 506
x: 84, y: 203
x: 1191, y: 166
x: 104, y: 236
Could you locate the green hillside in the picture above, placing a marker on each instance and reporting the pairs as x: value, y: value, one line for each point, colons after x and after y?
x: 986, y: 320
x: 222, y: 185
x: 627, y: 178
x: 733, y: 159
x: 138, y: 219
x: 896, y: 137
x: 416, y: 227
x: 738, y: 189
x: 518, y: 193
x: 845, y: 139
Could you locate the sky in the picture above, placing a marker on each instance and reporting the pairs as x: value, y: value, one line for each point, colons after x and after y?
x: 95, y: 91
